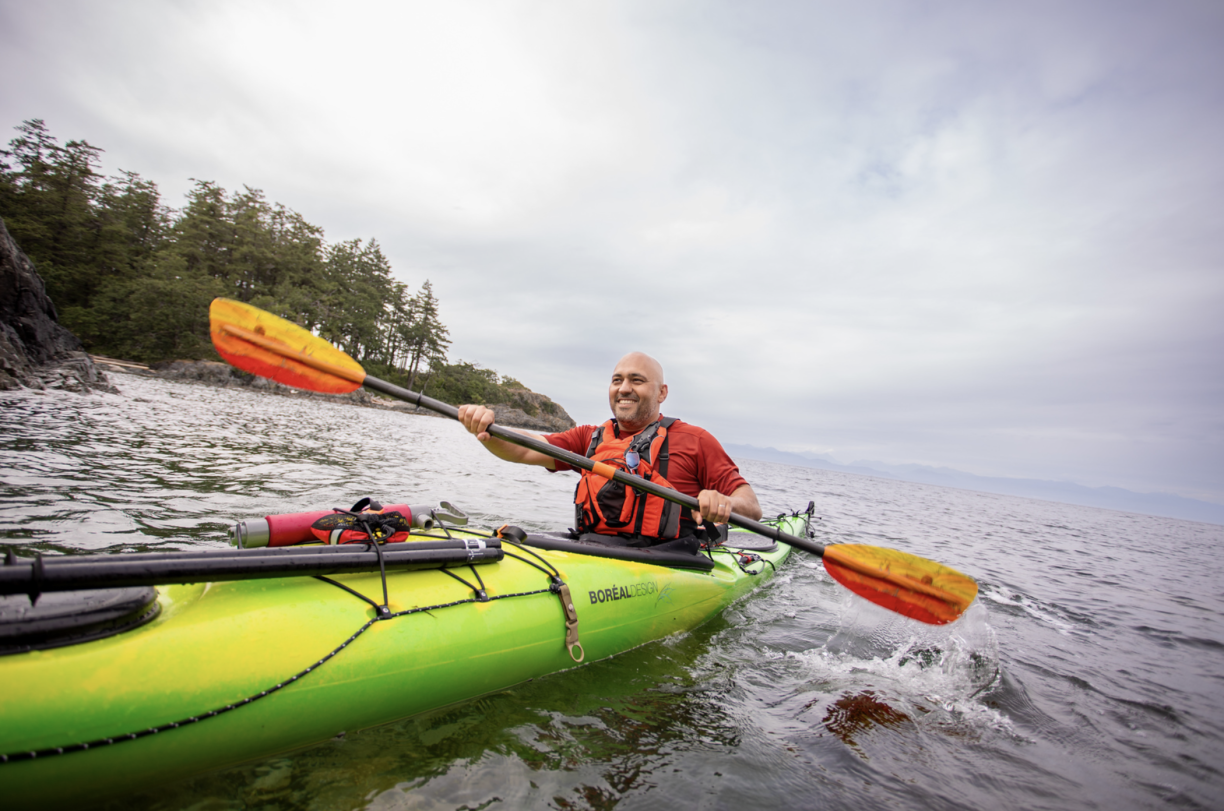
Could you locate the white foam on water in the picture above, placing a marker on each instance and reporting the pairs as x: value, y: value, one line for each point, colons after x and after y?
x: 1035, y: 609
x: 938, y: 675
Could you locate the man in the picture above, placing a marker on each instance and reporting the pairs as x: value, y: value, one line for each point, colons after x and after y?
x: 640, y: 440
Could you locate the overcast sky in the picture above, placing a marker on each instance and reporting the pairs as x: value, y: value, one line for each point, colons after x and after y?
x: 982, y: 235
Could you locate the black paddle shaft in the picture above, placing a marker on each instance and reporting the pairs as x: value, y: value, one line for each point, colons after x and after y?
x: 574, y: 460
x: 78, y: 572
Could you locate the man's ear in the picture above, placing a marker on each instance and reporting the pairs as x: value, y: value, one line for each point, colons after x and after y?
x: 662, y: 392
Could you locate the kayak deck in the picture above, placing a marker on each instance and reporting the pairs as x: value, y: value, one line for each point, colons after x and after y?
x: 234, y: 671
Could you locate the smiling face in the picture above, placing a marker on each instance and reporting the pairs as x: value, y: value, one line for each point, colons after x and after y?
x: 636, y: 391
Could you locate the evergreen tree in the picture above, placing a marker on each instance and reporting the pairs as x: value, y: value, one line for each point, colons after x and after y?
x: 358, y: 295
x: 133, y: 278
x: 133, y: 224
x: 49, y: 206
x: 465, y: 382
x: 425, y: 338
x: 161, y: 315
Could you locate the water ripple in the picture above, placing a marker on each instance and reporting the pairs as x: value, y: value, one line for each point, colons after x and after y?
x: 1087, y: 674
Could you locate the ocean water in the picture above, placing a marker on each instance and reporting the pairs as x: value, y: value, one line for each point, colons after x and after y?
x: 1089, y: 673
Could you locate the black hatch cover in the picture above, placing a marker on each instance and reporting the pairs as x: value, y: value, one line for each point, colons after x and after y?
x: 70, y: 617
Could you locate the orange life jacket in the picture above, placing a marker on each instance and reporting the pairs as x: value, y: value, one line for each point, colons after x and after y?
x: 610, y: 508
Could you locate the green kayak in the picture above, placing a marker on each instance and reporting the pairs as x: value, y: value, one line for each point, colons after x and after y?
x: 200, y: 676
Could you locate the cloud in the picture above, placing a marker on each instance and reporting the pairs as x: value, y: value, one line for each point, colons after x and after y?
x: 950, y: 233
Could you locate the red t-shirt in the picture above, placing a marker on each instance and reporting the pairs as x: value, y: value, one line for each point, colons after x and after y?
x: 696, y: 461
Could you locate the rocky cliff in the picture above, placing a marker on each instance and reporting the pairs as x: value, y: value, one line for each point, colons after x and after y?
x: 535, y: 412
x: 36, y: 351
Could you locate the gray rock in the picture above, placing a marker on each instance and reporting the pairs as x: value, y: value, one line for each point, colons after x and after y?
x: 36, y: 351
x: 212, y: 373
x: 517, y: 418
x: 529, y: 410
x: 535, y: 412
x: 202, y: 371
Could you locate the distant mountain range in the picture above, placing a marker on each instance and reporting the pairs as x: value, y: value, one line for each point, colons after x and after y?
x: 1112, y: 498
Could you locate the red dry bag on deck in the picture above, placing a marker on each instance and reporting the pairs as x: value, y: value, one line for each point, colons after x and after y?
x: 364, y: 523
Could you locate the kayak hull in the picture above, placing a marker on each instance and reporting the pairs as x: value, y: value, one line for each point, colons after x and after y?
x: 230, y: 672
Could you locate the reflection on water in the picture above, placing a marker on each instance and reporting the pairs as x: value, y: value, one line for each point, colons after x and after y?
x: 1086, y: 675
x: 859, y: 713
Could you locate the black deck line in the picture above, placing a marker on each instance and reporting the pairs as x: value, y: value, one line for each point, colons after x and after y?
x: 672, y: 560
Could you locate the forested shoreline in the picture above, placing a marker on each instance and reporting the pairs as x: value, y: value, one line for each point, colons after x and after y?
x: 132, y: 277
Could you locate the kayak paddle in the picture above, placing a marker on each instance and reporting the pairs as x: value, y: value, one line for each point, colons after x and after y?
x: 269, y: 346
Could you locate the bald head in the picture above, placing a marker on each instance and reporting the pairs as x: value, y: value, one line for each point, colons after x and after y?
x: 636, y: 391
x: 640, y: 360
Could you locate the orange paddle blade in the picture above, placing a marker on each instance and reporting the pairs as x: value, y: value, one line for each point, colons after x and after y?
x: 266, y: 345
x: 907, y: 584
